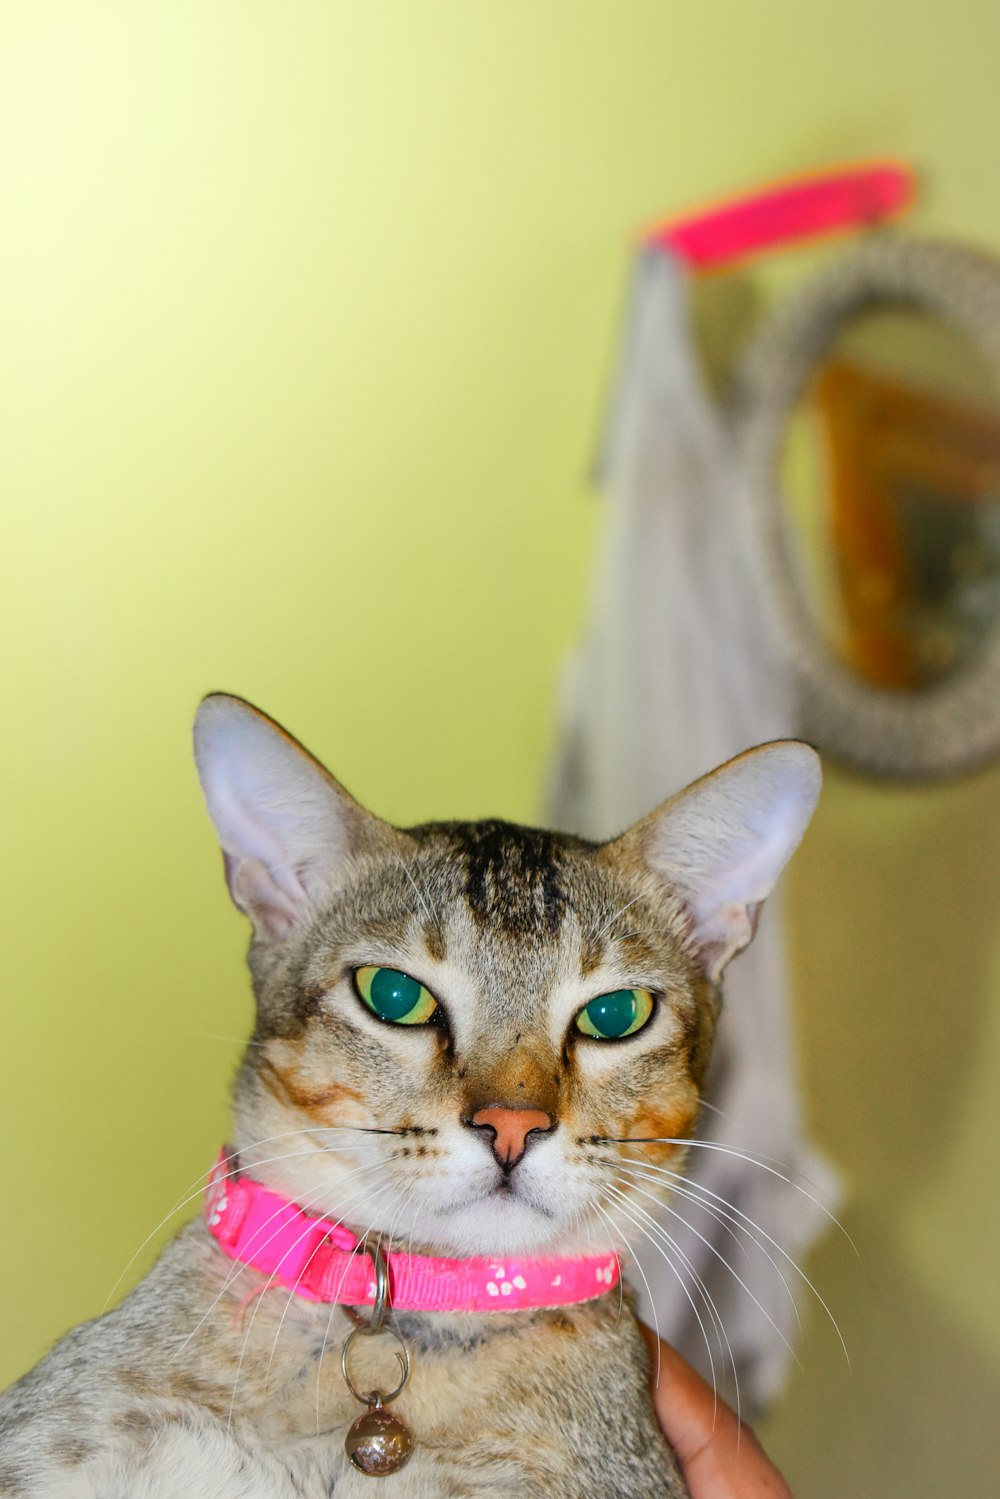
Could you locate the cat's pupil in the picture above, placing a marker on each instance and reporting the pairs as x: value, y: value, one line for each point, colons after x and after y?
x: 612, y: 1014
x: 393, y: 994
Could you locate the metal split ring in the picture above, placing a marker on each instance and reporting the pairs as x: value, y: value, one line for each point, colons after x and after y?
x: 376, y: 1397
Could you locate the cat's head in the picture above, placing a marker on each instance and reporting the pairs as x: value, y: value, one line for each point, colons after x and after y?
x: 460, y: 1024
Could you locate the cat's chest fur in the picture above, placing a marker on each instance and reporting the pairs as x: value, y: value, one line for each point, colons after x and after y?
x: 476, y: 1039
x: 551, y: 1405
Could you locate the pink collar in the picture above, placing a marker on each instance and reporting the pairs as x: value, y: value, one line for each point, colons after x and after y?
x: 318, y: 1259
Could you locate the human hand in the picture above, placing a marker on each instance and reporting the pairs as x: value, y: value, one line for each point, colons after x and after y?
x: 721, y: 1458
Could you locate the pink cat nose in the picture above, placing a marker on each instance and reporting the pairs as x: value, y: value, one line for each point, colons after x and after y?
x: 511, y: 1128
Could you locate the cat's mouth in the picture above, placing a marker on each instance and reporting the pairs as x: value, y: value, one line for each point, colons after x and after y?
x: 505, y: 1189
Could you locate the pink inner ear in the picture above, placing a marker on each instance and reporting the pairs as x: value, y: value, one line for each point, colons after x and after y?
x: 724, y: 933
x: 725, y: 903
x: 273, y: 910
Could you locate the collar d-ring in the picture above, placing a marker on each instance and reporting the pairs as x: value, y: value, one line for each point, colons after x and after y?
x: 381, y: 1303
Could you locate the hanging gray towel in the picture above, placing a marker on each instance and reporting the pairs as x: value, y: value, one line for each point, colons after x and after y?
x: 676, y: 675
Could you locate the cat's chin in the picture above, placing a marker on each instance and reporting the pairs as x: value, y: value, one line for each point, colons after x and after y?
x: 499, y: 1223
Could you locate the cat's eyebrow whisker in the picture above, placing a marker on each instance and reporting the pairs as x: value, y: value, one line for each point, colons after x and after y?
x: 724, y: 1220
x: 685, y: 1187
x: 595, y: 936
x: 435, y: 921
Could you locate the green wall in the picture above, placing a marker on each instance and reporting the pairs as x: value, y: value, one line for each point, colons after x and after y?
x: 307, y: 315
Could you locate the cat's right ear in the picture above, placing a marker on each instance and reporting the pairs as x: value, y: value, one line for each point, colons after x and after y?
x: 286, y: 827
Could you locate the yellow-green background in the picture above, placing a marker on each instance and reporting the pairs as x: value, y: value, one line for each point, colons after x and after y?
x: 307, y: 314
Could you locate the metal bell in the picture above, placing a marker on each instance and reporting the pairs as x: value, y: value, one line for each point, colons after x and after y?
x: 378, y: 1442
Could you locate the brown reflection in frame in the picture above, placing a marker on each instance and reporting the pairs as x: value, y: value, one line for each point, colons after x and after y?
x: 905, y: 469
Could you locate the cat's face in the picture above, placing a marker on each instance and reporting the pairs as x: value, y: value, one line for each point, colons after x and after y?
x: 512, y: 932
x: 428, y: 1059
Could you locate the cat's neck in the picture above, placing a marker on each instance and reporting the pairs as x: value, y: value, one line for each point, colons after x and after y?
x: 322, y: 1260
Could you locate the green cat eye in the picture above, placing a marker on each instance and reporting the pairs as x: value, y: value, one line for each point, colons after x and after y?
x: 609, y: 1017
x: 395, y: 996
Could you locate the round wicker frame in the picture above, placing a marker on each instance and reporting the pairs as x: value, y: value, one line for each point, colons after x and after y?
x: 952, y: 725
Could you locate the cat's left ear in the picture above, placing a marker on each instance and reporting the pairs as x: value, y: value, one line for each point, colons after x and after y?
x: 288, y: 830
x: 721, y: 844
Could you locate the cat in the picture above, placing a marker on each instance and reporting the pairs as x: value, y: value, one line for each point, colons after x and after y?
x: 469, y: 1037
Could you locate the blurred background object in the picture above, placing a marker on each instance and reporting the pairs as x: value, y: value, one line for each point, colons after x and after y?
x: 868, y: 409
x: 308, y: 315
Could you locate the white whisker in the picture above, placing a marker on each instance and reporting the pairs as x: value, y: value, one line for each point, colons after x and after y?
x: 720, y: 1257
x: 740, y: 1155
x: 719, y: 1217
x: 329, y: 1323
x: 614, y: 1234
x: 689, y: 1185
x: 435, y: 921
x: 241, y: 1266
x: 718, y: 1325
x: 291, y: 1298
x: 703, y: 1103
x: 236, y: 1040
x: 197, y: 1187
x: 266, y: 1287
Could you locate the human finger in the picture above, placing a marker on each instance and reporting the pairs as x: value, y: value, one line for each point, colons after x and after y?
x: 721, y: 1457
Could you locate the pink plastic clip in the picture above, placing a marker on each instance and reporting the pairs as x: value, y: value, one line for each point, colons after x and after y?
x: 817, y: 206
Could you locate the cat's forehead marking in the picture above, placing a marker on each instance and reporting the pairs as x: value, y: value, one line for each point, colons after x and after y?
x: 513, y: 876
x: 521, y: 903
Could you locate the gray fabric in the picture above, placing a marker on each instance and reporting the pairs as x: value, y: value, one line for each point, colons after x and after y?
x: 676, y: 675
